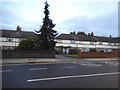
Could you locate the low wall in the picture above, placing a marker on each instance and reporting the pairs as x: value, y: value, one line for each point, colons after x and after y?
x: 98, y: 54
x: 27, y: 54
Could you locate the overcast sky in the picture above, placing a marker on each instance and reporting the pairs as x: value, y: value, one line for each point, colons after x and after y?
x: 98, y: 16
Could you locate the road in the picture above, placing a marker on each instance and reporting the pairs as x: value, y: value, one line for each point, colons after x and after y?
x: 62, y: 75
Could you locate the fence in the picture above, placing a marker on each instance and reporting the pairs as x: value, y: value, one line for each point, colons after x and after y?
x: 98, y: 54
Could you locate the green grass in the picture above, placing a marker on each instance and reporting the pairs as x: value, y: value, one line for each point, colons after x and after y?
x: 70, y: 55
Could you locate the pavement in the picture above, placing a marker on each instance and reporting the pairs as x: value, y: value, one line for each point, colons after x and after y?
x: 58, y: 59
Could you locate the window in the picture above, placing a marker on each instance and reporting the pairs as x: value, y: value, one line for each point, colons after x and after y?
x: 72, y: 42
x: 118, y: 44
x: 109, y: 43
x: 92, y: 43
x: 19, y: 39
x: 59, y: 41
x: 4, y: 47
x: 10, y: 39
x: 115, y: 44
x: 9, y: 47
x: 109, y: 50
x: 100, y: 43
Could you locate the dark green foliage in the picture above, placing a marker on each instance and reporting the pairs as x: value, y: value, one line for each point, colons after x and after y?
x: 78, y: 33
x: 46, y: 33
x: 81, y: 33
x: 28, y: 44
x: 93, y: 50
x: 72, y: 32
x: 73, y: 51
x: 58, y: 52
x: 18, y: 28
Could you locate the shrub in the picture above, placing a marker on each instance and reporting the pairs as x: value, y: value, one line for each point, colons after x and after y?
x: 28, y: 44
x: 73, y: 51
x: 92, y: 50
x: 58, y: 52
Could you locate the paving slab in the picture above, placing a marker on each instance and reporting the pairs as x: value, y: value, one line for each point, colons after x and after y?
x: 58, y: 59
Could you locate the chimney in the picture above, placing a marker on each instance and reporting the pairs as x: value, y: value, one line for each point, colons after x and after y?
x: 88, y: 34
x: 73, y: 33
x: 110, y: 36
x: 92, y: 34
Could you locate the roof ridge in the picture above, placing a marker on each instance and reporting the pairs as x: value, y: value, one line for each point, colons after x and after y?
x: 16, y: 31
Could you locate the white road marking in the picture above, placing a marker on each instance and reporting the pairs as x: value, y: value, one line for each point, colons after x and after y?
x: 78, y: 76
x: 106, y: 62
x: 5, y: 70
x: 114, y: 64
x: 91, y: 64
x: 37, y: 68
x: 69, y: 67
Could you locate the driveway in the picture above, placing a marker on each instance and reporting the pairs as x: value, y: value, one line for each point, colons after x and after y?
x: 62, y: 57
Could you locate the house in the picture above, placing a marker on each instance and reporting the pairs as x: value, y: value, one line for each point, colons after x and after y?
x: 86, y: 43
x: 11, y: 38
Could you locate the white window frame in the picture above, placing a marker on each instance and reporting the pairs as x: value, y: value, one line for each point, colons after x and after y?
x: 100, y: 43
x: 72, y: 41
x: 10, y: 39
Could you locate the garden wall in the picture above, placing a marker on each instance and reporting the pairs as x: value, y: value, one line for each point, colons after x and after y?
x: 27, y: 54
x: 98, y: 54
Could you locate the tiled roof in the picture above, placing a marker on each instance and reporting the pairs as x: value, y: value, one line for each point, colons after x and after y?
x: 25, y: 34
x: 65, y: 37
x: 17, y: 34
x: 106, y: 39
x: 86, y: 38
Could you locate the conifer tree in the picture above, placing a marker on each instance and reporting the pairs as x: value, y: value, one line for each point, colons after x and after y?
x: 46, y: 33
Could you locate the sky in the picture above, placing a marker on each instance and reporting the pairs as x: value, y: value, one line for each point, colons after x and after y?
x: 98, y: 16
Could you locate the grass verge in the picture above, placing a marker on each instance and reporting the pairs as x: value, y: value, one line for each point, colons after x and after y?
x: 70, y: 55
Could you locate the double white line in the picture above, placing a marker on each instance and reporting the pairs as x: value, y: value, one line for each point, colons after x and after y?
x: 78, y: 76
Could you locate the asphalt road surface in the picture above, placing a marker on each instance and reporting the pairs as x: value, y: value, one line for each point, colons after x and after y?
x: 64, y: 75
